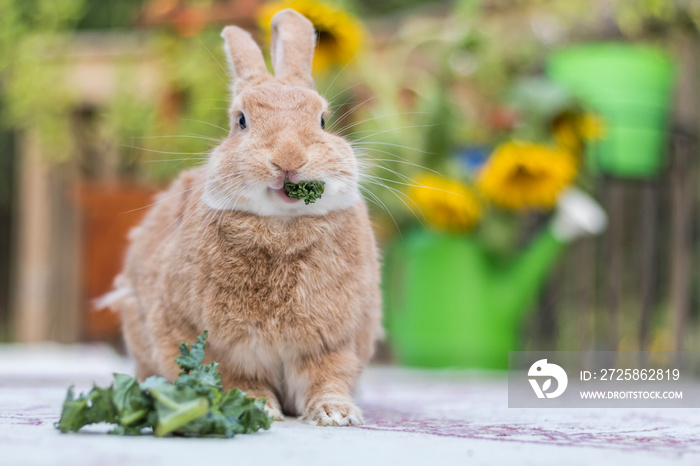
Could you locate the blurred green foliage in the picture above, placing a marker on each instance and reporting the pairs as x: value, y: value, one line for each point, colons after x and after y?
x: 375, y: 8
x: 465, y: 76
x: 466, y: 44
x: 190, y: 119
x: 35, y: 35
x: 639, y: 17
x: 100, y: 14
x: 29, y: 30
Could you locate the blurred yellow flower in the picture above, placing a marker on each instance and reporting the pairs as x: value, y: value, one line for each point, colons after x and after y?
x: 566, y: 134
x: 340, y: 35
x: 446, y: 204
x: 591, y: 127
x: 521, y: 175
x: 571, y: 131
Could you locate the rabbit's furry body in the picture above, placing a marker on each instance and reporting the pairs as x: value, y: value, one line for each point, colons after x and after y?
x: 289, y: 293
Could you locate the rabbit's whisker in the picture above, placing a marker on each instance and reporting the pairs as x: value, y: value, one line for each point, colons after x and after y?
x: 163, y: 151
x: 364, y: 152
x: 361, y: 122
x: 211, y: 216
x: 343, y: 91
x: 190, y: 136
x: 398, y: 193
x: 422, y: 186
x: 338, y: 75
x: 374, y: 166
x: 334, y: 107
x: 206, y: 123
x: 220, y: 180
x: 209, y: 100
x: 379, y: 143
x: 398, y: 128
x: 402, y: 161
x: 161, y: 200
x: 381, y: 204
x: 176, y: 160
x: 346, y: 114
x: 226, y: 73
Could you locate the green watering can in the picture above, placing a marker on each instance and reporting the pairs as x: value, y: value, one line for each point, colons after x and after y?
x: 449, y: 304
x: 631, y: 86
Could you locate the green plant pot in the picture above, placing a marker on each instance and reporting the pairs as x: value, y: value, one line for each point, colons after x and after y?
x: 630, y: 86
x: 449, y: 304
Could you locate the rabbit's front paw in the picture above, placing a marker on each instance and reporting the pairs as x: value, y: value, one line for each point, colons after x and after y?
x: 274, y: 411
x: 333, y: 411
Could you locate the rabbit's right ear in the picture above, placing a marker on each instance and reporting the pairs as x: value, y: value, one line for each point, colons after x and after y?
x: 245, y: 58
x: 292, y: 47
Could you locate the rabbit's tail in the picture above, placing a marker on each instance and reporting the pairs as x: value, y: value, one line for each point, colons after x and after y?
x: 116, y: 298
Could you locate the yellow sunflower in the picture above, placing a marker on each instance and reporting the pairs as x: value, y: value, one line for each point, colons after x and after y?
x: 340, y: 35
x: 571, y: 131
x: 566, y: 134
x: 591, y: 127
x: 446, y: 204
x: 521, y: 175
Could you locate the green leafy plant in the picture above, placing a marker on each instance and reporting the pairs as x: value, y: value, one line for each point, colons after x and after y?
x: 308, y: 191
x: 195, y: 405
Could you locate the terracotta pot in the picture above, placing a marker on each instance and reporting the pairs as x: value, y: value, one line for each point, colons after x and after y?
x: 108, y: 212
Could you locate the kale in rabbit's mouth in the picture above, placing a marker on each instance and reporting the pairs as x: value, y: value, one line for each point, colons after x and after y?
x: 308, y: 191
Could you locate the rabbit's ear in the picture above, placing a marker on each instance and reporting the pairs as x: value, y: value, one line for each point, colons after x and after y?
x: 292, y: 47
x: 245, y: 58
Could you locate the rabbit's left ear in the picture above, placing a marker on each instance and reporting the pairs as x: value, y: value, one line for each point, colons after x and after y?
x: 292, y: 47
x: 245, y: 58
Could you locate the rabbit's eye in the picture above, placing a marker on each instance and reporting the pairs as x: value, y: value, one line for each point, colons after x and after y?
x: 323, y: 123
x: 241, y: 122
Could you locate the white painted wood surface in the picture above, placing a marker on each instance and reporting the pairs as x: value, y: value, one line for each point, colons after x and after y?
x: 412, y: 417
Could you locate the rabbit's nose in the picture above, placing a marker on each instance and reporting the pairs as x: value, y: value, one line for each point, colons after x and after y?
x: 284, y: 175
x: 290, y: 163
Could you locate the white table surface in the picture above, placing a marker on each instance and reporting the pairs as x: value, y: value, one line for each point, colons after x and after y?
x: 413, y: 417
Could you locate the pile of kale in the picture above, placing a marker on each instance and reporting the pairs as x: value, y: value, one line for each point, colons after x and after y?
x: 194, y: 406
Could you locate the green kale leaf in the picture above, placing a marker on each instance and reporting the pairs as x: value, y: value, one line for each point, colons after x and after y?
x: 230, y: 413
x: 192, y: 357
x: 250, y: 412
x: 176, y: 406
x: 88, y: 408
x: 131, y: 403
x: 195, y: 405
x: 308, y: 191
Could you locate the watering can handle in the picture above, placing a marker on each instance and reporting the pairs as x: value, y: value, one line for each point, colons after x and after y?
x: 577, y: 214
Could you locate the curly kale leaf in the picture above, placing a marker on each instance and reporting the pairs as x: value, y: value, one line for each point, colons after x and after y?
x: 191, y: 357
x: 195, y: 405
x: 88, y: 408
x: 130, y: 401
x: 202, y: 379
x: 122, y: 403
x: 176, y: 407
x: 230, y: 413
x: 308, y: 191
x: 250, y: 412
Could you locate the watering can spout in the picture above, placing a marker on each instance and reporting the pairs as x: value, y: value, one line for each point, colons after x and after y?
x: 577, y: 215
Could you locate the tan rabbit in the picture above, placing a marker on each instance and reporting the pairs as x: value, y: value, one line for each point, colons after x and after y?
x: 289, y: 292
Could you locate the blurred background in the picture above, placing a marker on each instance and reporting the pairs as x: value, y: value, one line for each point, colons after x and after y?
x: 531, y: 165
